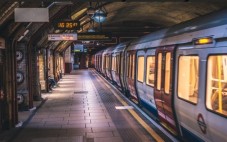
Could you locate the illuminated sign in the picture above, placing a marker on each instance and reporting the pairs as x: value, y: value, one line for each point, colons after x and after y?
x: 78, y: 47
x: 67, y: 25
x: 93, y: 36
x: 57, y: 37
x: 206, y: 40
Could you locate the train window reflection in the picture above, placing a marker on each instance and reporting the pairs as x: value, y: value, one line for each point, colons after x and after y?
x: 159, y: 75
x: 188, y: 78
x: 216, y: 97
x: 150, y: 70
x: 140, y: 69
x: 167, y: 72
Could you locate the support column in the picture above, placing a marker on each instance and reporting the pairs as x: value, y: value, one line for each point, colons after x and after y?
x: 22, y: 76
x: 68, y: 63
x: 42, y: 70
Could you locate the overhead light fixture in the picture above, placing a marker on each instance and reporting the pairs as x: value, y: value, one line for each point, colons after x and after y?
x: 99, y: 16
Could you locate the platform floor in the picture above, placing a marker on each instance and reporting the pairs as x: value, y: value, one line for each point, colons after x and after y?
x: 83, y: 109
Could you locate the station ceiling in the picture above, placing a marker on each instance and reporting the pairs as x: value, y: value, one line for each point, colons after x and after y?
x: 125, y: 20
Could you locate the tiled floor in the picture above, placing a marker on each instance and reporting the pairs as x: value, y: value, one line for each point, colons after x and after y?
x: 73, y: 112
x: 81, y: 109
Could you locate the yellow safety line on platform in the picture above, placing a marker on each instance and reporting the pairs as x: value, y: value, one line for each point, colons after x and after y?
x: 137, y: 117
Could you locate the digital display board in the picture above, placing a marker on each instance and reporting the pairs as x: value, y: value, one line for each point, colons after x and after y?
x: 67, y: 25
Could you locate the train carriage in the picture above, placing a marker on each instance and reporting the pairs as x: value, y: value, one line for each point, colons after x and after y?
x: 179, y: 74
x: 201, y: 81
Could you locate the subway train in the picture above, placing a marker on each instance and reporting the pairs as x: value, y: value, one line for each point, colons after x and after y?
x: 178, y: 74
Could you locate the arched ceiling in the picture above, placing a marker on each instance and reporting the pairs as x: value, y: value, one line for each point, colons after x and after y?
x: 125, y: 20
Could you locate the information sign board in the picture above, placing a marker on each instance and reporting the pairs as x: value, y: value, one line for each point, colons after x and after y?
x: 57, y: 37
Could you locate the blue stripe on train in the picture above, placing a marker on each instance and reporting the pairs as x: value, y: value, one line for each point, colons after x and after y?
x: 189, y: 136
x: 150, y: 108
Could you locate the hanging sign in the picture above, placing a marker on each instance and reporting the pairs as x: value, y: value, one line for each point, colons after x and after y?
x: 67, y: 25
x: 57, y: 37
x: 94, y: 36
x: 31, y: 14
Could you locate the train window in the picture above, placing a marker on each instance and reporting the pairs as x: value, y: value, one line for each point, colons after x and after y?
x: 140, y: 69
x: 150, y: 70
x: 159, y: 72
x: 188, y: 78
x: 216, y: 95
x: 133, y: 66
x: 167, y: 72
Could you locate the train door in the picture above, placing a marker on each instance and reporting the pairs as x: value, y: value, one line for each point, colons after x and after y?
x: 216, y: 94
x: 109, y: 67
x: 131, y: 75
x: 140, y: 75
x: 103, y: 64
x: 100, y: 62
x: 145, y: 79
x: 186, y: 90
x: 163, y: 90
x: 122, y: 71
x: 114, y: 67
x: 149, y: 80
x: 117, y: 77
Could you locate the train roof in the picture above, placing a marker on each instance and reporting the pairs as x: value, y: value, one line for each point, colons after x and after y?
x: 120, y: 47
x: 109, y: 50
x: 200, y: 23
x: 99, y: 52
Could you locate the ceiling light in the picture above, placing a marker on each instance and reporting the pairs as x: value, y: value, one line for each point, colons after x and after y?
x: 99, y: 16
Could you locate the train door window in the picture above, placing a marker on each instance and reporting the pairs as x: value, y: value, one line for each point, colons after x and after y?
x: 122, y: 64
x: 107, y: 62
x: 159, y: 72
x: 112, y: 62
x: 117, y: 63
x: 104, y: 63
x: 133, y: 66
x: 140, y: 68
x: 128, y: 64
x: 216, y: 94
x: 188, y: 78
x: 167, y: 72
x: 115, y: 66
x: 150, y: 70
